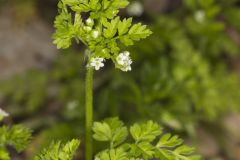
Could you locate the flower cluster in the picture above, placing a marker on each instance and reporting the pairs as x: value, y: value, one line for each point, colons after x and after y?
x: 89, y: 28
x: 103, y: 32
x: 123, y: 62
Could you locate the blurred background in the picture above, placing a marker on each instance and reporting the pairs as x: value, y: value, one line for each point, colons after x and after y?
x: 186, y: 76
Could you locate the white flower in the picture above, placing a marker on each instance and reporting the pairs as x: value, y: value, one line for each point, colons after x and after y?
x: 123, y: 57
x: 127, y: 66
x: 3, y: 113
x: 97, y: 63
x: 135, y: 9
x: 95, y: 34
x: 90, y: 22
x: 124, y: 60
x: 199, y: 16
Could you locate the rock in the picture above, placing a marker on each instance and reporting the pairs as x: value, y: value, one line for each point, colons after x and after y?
x: 207, y: 146
x: 232, y: 125
x: 24, y: 46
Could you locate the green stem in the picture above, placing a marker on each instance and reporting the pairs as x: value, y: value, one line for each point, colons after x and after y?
x: 89, y: 113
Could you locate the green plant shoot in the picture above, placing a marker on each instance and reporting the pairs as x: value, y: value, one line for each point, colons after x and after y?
x: 101, y: 30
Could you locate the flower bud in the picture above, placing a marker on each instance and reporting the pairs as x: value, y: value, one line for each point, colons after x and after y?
x: 95, y: 34
x: 89, y: 22
x: 87, y: 28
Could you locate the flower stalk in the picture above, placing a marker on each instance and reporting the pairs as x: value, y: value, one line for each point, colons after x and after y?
x: 89, y: 112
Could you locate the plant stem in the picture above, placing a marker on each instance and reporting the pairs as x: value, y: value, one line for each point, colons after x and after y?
x: 89, y: 113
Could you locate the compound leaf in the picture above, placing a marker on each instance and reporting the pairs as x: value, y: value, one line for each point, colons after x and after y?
x: 58, y: 151
x: 111, y: 129
x: 124, y: 25
x: 169, y: 141
x: 111, y: 28
x: 139, y: 31
x: 145, y: 132
x: 102, y: 131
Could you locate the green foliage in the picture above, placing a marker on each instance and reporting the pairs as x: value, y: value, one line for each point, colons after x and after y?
x: 65, y: 30
x: 111, y: 130
x: 145, y: 132
x: 63, y: 83
x: 181, y: 76
x: 19, y: 137
x: 15, y: 136
x: 137, y: 32
x: 101, y: 32
x: 28, y: 93
x: 144, y: 146
x: 59, y: 151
